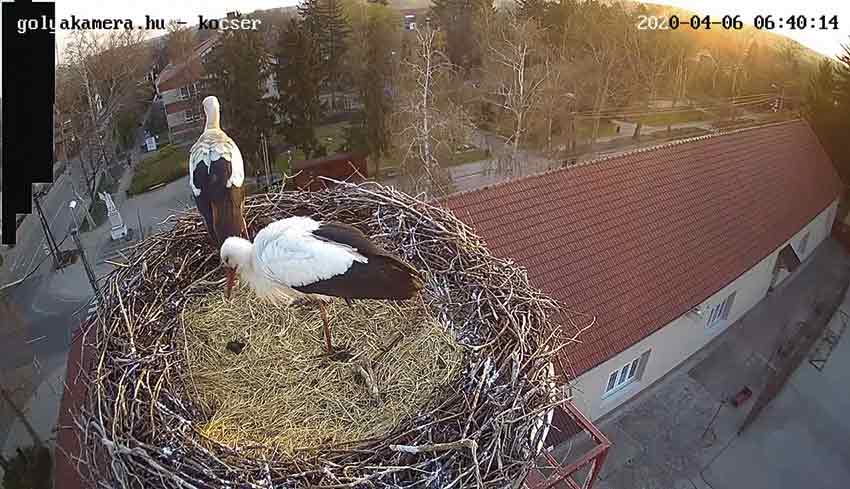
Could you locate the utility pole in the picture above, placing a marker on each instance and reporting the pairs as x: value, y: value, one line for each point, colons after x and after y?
x: 51, y: 243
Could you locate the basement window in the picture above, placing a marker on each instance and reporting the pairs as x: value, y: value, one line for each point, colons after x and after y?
x: 625, y: 375
x: 802, y: 246
x: 720, y: 312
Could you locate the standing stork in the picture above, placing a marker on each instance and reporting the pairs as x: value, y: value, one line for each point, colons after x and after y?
x: 216, y: 174
x: 300, y: 259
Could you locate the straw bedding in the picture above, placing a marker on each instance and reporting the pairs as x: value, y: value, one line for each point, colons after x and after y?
x: 152, y: 416
x: 276, y: 395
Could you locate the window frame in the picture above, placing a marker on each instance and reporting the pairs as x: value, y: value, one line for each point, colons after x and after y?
x: 622, y: 377
x: 804, y: 243
x: 720, y: 311
x: 192, y: 114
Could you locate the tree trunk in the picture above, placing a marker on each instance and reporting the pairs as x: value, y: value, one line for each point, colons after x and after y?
x: 637, y: 130
x: 600, y: 104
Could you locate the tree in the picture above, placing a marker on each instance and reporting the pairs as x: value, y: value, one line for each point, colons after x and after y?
x: 461, y: 22
x: 299, y: 77
x: 100, y: 79
x: 237, y: 70
x: 431, y: 126
x: 180, y: 42
x: 517, y: 67
x: 326, y: 21
x: 827, y: 108
x: 375, y: 41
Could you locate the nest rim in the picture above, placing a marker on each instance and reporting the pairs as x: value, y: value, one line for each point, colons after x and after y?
x: 484, y: 429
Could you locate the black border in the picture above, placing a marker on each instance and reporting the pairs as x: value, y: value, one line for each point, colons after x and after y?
x: 28, y: 94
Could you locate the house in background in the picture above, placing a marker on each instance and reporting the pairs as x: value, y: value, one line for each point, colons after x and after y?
x: 341, y: 166
x: 666, y: 246
x: 181, y: 88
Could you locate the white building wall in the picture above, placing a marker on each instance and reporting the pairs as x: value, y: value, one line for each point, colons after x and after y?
x: 674, y: 343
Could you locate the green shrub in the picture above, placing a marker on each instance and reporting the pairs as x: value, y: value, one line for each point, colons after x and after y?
x: 167, y: 165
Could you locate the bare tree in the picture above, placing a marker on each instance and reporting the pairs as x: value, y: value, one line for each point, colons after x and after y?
x: 180, y: 42
x: 604, y: 43
x: 517, y: 66
x: 107, y: 68
x: 650, y: 58
x: 432, y: 126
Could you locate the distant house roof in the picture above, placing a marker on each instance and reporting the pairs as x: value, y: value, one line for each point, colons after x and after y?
x: 639, y: 239
x: 334, y: 159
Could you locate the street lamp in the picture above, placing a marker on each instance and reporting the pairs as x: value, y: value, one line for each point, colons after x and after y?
x: 75, y: 233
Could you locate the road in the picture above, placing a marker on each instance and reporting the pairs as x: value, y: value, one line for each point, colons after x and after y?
x: 29, y: 251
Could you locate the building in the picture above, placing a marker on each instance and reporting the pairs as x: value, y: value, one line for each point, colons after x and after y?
x: 180, y: 88
x: 665, y: 246
x: 340, y: 166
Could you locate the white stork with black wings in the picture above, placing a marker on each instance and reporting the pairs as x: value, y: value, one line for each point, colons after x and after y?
x: 216, y: 174
x: 299, y: 258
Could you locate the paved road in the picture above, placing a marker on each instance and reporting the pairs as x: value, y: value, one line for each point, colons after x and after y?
x: 28, y: 252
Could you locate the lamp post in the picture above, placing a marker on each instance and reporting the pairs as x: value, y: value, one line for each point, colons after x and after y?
x: 76, y: 235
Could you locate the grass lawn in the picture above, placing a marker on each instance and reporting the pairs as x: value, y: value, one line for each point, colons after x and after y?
x: 165, y: 166
x: 330, y: 136
x: 584, y: 129
x: 673, y: 118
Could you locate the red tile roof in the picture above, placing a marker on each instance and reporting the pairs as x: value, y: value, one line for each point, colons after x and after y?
x: 639, y: 239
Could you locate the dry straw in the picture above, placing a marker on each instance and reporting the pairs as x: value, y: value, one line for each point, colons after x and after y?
x: 148, y: 419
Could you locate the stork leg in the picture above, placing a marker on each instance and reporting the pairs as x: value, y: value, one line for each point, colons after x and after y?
x: 328, y: 345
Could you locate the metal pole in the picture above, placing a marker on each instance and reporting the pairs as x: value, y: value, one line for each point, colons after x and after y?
x: 47, y: 234
x: 86, y: 265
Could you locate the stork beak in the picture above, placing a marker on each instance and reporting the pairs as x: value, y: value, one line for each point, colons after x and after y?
x: 231, y: 279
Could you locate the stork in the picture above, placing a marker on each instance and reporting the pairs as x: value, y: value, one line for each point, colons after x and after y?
x: 216, y: 173
x: 299, y: 259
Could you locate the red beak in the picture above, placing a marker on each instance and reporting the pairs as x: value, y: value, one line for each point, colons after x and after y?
x: 231, y: 279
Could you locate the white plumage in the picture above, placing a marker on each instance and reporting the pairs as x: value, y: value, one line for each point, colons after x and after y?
x: 214, y: 144
x: 286, y: 254
x: 301, y: 258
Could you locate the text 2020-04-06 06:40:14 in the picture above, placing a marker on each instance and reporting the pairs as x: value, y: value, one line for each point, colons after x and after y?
x: 736, y: 22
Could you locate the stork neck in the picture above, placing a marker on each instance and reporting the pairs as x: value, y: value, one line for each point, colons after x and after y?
x: 212, y: 120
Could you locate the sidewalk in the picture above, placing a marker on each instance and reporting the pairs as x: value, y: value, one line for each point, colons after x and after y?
x: 679, y: 434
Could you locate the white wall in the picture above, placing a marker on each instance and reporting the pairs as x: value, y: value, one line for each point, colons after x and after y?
x: 687, y: 334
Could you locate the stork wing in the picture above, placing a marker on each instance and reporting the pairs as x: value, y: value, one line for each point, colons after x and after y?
x: 288, y: 253
x: 213, y: 145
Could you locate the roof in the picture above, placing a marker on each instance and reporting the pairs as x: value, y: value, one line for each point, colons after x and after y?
x: 333, y: 159
x: 641, y: 238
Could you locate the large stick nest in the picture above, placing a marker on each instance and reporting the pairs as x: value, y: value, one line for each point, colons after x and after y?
x: 139, y: 426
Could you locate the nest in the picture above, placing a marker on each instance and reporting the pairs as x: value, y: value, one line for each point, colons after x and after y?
x: 264, y: 388
x: 145, y: 424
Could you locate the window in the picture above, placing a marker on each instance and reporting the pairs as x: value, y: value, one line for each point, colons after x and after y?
x: 623, y: 376
x: 720, y: 311
x: 802, y: 246
x: 190, y: 91
x: 193, y: 114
